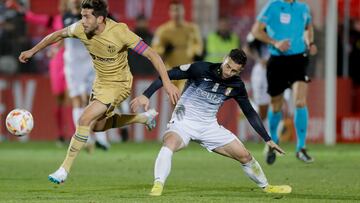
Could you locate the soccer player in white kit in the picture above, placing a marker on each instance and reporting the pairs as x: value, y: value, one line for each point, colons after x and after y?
x: 79, y: 72
x: 194, y: 118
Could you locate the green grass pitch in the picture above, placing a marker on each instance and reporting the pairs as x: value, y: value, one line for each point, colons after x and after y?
x: 125, y: 174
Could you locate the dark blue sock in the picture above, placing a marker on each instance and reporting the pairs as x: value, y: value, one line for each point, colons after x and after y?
x: 274, y: 120
x: 301, y: 117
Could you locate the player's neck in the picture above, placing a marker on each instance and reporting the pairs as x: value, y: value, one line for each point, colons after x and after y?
x: 100, y: 28
x: 178, y: 22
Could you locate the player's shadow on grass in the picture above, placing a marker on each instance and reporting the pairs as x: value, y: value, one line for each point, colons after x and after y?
x: 214, y: 191
x: 324, y: 197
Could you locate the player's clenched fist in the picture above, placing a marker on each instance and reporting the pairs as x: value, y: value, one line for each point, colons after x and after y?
x: 25, y: 56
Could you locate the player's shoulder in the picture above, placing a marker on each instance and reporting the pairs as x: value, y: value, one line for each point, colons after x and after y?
x: 76, y: 29
x: 198, y: 69
x: 191, y: 25
x: 202, y: 65
x: 235, y: 82
x: 303, y: 5
x: 275, y: 3
x: 165, y: 26
x: 116, y: 25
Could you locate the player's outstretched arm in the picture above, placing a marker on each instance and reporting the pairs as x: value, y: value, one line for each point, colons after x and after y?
x: 48, y: 40
x: 159, y: 65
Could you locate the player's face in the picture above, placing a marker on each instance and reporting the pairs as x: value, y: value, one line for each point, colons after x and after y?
x: 229, y: 68
x: 176, y: 12
x: 89, y: 21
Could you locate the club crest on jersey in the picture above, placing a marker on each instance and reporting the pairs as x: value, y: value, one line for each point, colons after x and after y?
x: 111, y: 49
x: 228, y: 91
x: 215, y: 88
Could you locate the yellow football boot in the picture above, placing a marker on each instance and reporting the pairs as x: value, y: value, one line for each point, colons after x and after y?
x: 157, y: 189
x: 278, y: 189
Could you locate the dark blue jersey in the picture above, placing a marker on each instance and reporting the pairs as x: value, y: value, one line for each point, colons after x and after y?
x: 206, y: 91
x: 69, y: 18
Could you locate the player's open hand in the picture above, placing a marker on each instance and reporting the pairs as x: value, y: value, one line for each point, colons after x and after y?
x: 312, y: 49
x: 179, y: 111
x: 274, y: 146
x: 140, y: 101
x: 282, y: 45
x: 25, y: 56
x: 173, y: 92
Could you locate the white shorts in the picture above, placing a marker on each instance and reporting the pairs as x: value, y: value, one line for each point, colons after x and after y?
x: 79, y: 78
x: 209, y: 135
x: 259, y: 85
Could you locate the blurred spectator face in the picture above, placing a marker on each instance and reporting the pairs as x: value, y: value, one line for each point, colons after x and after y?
x: 223, y: 25
x: 141, y: 22
x: 357, y: 25
x: 89, y: 21
x: 176, y: 12
x: 74, y: 5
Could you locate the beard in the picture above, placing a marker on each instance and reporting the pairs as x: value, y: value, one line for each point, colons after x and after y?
x: 89, y: 34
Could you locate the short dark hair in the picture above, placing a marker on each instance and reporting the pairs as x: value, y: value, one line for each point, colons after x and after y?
x: 238, y: 56
x: 99, y: 6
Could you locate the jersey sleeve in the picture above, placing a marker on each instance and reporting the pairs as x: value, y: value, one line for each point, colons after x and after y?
x: 127, y: 37
x: 307, y: 15
x: 74, y: 30
x: 265, y: 14
x: 242, y: 99
x: 177, y: 73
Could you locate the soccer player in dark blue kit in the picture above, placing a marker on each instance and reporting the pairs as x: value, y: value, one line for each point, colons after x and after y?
x: 285, y: 25
x: 194, y: 118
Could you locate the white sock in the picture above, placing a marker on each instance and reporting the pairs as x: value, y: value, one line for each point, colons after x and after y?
x: 76, y: 113
x: 253, y: 170
x: 101, y: 138
x: 163, y: 164
x: 90, y: 140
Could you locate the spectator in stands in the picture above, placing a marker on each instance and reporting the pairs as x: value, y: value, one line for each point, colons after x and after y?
x: 177, y: 41
x: 219, y: 43
x: 56, y: 63
x: 12, y: 38
x: 354, y: 58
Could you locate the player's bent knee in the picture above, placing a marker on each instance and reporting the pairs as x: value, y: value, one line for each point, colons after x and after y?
x: 84, y: 121
x: 173, y: 141
x: 244, y: 157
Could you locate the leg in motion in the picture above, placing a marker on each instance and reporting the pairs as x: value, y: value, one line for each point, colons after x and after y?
x: 274, y: 118
x: 117, y: 120
x: 301, y: 117
x: 92, y: 112
x: 172, y: 143
x: 251, y: 167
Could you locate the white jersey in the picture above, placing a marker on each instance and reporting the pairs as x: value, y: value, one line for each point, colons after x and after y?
x: 76, y: 54
x: 78, y: 65
x: 201, y: 103
x: 259, y: 84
